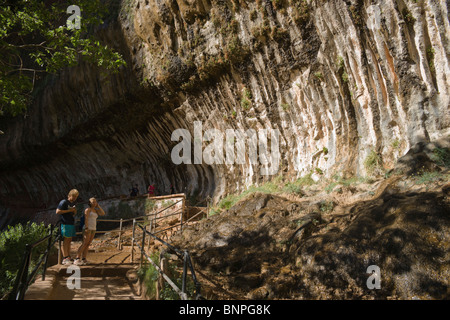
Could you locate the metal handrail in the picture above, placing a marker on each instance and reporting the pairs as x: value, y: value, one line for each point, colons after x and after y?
x: 121, y: 221
x: 23, y: 277
x: 181, y: 254
x: 165, y: 208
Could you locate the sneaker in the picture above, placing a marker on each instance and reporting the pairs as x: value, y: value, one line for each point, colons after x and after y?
x: 78, y: 262
x: 67, y: 261
x: 84, y: 261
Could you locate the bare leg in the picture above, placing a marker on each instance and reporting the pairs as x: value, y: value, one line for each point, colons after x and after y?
x: 87, y: 243
x: 81, y: 248
x: 66, y: 247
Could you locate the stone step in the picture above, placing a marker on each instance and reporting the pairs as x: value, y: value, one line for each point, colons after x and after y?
x: 96, y: 282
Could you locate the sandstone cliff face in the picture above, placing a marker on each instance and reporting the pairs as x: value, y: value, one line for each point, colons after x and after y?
x: 340, y: 80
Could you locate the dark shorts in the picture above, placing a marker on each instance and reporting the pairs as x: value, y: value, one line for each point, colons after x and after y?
x: 68, y: 230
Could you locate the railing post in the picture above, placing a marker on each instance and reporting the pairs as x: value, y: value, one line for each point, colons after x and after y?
x: 132, y: 242
x: 142, y: 247
x: 149, y: 239
x: 14, y: 295
x: 119, y: 241
x: 185, y: 264
x: 48, y: 252
x: 151, y: 224
x: 194, y: 277
x: 24, y: 274
x: 182, y: 212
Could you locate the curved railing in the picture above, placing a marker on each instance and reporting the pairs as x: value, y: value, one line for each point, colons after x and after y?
x: 25, y: 278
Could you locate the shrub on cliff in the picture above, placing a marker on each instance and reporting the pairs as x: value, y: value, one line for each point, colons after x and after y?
x: 373, y: 163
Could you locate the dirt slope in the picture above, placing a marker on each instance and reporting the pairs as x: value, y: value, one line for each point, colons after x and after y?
x: 320, y: 246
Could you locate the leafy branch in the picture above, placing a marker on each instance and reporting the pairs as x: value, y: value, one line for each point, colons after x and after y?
x: 35, y: 40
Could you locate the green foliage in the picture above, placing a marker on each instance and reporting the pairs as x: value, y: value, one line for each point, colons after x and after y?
x: 293, y: 188
x: 149, y: 206
x: 285, y: 106
x: 329, y: 188
x: 262, y: 31
x: 356, y: 13
x: 408, y: 17
x: 277, y: 4
x: 373, y: 163
x: 269, y: 187
x: 441, y: 156
x: 246, y: 99
x: 319, y: 75
x: 231, y: 28
x: 227, y: 202
x: 299, y: 184
x: 167, y: 292
x: 149, y: 275
x: 345, y: 77
x: 301, y: 11
x: 12, y: 247
x: 340, y: 63
x: 247, y: 94
x: 211, y: 68
x: 278, y: 185
x: 338, y: 180
x: 245, y: 104
x: 430, y: 57
x: 35, y: 41
x: 427, y: 177
x: 278, y: 34
x: 235, y: 52
x: 396, y: 144
x: 326, y: 206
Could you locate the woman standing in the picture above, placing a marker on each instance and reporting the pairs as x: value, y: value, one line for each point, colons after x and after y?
x: 91, y: 214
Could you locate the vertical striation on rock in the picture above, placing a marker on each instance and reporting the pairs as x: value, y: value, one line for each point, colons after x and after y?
x: 339, y: 79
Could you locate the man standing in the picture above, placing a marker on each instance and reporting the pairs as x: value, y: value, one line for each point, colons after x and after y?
x: 66, y: 209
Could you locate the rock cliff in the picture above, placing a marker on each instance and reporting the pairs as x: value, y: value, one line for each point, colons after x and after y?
x: 342, y: 81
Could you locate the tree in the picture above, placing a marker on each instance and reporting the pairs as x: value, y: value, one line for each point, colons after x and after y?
x: 37, y: 37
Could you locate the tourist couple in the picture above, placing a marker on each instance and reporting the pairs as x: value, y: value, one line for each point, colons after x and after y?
x: 66, y: 209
